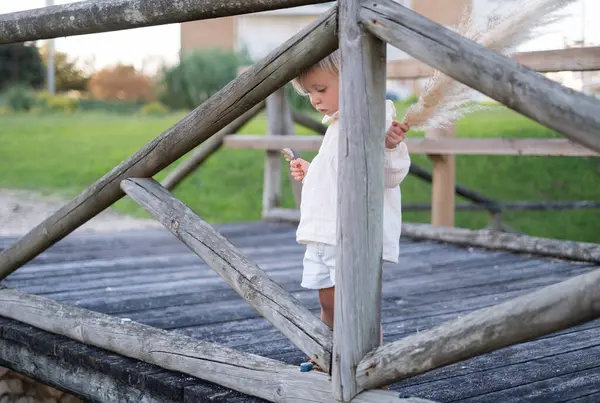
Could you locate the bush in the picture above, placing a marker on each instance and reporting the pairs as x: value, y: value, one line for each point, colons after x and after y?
x: 198, y: 76
x: 20, y: 98
x: 61, y: 103
x: 154, y: 109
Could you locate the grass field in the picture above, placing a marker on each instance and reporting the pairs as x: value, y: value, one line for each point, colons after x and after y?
x: 65, y: 153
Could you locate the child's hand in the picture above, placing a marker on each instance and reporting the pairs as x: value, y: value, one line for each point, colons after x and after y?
x: 298, y: 169
x: 395, y: 135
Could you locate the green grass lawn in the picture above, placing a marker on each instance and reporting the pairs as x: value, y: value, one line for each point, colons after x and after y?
x: 66, y: 153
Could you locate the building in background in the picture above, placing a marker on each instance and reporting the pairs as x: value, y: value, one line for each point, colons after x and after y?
x: 260, y: 33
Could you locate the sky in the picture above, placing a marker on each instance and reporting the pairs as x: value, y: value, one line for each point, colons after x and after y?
x: 146, y: 48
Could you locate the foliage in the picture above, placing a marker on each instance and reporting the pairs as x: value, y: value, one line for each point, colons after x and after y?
x: 198, y: 76
x: 121, y: 82
x: 154, y: 109
x: 20, y: 98
x: 66, y: 73
x: 21, y: 64
x: 61, y: 103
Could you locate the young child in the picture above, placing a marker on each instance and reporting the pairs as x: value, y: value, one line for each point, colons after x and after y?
x: 318, y: 209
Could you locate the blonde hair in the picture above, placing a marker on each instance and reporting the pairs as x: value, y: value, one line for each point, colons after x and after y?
x: 330, y: 64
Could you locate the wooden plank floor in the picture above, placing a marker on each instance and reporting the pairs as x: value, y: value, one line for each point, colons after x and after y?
x: 150, y: 277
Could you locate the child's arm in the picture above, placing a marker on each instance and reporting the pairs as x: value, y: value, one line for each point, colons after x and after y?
x: 299, y: 168
x: 396, y: 165
x: 396, y: 160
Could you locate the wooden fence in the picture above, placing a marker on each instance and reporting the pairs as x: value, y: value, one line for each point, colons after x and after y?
x: 351, y: 353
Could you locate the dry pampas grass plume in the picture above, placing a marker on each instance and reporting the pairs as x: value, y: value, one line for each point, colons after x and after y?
x: 445, y: 100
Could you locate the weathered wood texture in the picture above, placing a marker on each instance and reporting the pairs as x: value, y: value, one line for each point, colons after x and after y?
x: 574, y: 114
x: 455, y: 146
x: 583, y: 251
x: 305, y: 48
x: 443, y: 181
x: 266, y: 378
x: 86, y: 17
x: 152, y: 278
x: 556, y: 307
x: 208, y: 148
x: 542, y: 61
x: 280, y: 123
x: 83, y: 382
x: 361, y: 146
x: 303, y: 328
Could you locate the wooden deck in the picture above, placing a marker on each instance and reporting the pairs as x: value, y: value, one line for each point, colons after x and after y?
x: 150, y: 277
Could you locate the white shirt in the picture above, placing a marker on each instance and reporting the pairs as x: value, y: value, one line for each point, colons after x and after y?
x: 318, y: 208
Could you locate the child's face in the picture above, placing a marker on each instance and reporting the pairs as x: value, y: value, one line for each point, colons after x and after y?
x: 323, y: 91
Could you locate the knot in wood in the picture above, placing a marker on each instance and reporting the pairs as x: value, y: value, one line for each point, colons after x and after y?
x: 174, y: 224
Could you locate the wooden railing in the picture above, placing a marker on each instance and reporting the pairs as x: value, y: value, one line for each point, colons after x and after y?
x: 351, y: 353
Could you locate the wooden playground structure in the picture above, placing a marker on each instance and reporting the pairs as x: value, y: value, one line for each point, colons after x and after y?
x: 356, y: 366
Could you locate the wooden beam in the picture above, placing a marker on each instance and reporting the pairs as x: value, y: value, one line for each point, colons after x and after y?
x: 251, y: 374
x: 357, y: 312
x: 571, y: 113
x: 443, y: 181
x: 208, y: 148
x: 542, y: 61
x: 582, y: 251
x: 550, y: 309
x: 311, y: 44
x: 557, y: 248
x: 86, y: 17
x: 308, y: 122
x: 296, y: 322
x: 432, y: 146
x: 92, y: 385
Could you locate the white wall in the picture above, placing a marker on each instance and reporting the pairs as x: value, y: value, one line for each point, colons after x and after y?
x: 262, y: 32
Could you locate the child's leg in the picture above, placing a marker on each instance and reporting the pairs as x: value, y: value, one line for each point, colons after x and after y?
x: 326, y: 299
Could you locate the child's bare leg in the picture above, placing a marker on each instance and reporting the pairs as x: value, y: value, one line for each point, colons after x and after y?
x: 326, y: 299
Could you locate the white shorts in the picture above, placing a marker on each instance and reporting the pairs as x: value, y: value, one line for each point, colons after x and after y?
x: 319, y: 266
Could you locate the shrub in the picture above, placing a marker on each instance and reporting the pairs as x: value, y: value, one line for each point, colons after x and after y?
x: 198, y: 76
x: 20, y: 98
x: 154, y: 109
x: 61, y: 103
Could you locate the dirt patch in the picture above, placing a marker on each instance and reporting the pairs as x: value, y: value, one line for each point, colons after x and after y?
x: 20, y: 211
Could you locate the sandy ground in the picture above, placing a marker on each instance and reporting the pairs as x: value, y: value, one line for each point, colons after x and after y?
x: 21, y: 211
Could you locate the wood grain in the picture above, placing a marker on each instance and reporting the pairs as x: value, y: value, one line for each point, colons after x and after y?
x: 86, y: 17
x: 303, y: 328
x: 550, y: 309
x: 360, y: 187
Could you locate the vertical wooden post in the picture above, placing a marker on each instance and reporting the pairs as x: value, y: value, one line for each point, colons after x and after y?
x: 280, y: 122
x: 357, y: 315
x: 443, y: 183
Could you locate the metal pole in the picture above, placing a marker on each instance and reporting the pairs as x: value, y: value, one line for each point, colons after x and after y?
x: 51, y: 73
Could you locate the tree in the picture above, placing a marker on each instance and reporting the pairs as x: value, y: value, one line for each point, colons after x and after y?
x: 67, y: 75
x: 121, y: 82
x: 199, y: 75
x: 21, y: 64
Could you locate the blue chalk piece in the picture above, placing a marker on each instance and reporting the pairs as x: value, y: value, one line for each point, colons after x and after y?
x: 306, y: 367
